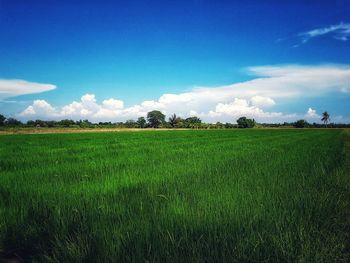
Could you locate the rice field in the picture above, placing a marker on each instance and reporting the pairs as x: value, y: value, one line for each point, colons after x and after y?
x: 176, y: 196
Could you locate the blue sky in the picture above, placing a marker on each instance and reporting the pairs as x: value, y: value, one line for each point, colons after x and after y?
x: 128, y: 56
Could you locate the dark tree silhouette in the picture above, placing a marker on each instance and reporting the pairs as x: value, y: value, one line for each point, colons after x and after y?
x: 301, y: 124
x: 173, y: 120
x: 12, y: 122
x: 2, y: 120
x: 141, y: 122
x: 325, y: 118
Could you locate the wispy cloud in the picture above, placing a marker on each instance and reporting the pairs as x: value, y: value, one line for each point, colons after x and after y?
x: 253, y: 98
x: 340, y: 31
x: 15, y: 87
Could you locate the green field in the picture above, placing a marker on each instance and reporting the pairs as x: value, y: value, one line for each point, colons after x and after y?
x: 176, y: 196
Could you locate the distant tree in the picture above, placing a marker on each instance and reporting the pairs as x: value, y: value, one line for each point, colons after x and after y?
x: 51, y: 124
x: 30, y: 123
x: 244, y: 122
x: 301, y: 124
x: 180, y: 123
x: 173, y: 120
x: 192, y: 122
x: 2, y: 120
x: 230, y: 125
x: 107, y: 124
x: 325, y: 118
x: 12, y: 122
x: 141, y: 122
x: 130, y: 124
x: 219, y: 125
x: 84, y: 123
x: 155, y: 118
x: 66, y: 123
x: 118, y: 124
x: 40, y: 123
x: 287, y: 124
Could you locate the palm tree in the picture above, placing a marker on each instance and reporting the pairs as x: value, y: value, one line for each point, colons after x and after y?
x: 325, y: 118
x: 173, y: 120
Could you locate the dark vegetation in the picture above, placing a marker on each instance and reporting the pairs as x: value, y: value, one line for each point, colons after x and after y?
x: 244, y: 122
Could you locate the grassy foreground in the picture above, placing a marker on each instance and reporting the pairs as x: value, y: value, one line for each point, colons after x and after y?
x: 176, y: 196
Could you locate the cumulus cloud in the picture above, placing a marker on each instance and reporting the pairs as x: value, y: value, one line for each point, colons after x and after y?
x: 241, y: 107
x: 39, y: 108
x: 15, y: 87
x: 85, y: 108
x: 113, y: 104
x: 340, y: 32
x: 261, y: 101
x: 311, y: 113
x: 223, y: 103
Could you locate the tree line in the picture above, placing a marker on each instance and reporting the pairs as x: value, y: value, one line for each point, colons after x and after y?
x: 156, y: 119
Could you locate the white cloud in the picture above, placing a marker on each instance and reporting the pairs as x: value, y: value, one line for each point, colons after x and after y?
x: 193, y: 113
x: 39, y: 108
x: 271, y: 85
x: 340, y: 31
x: 15, y: 87
x: 261, y: 101
x: 311, y: 113
x: 113, y: 104
x: 238, y: 108
x: 312, y: 116
x: 175, y: 98
x: 151, y: 104
x: 28, y: 111
x: 83, y: 109
x: 88, y: 98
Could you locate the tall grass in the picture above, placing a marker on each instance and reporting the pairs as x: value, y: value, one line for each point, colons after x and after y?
x: 176, y: 196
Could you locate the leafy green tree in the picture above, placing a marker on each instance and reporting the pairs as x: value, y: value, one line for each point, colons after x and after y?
x: 244, y: 122
x: 84, y: 123
x: 301, y: 124
x: 180, y: 123
x: 2, y: 120
x: 66, y: 123
x: 325, y: 118
x: 155, y: 118
x: 141, y: 122
x: 193, y: 120
x: 107, y: 124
